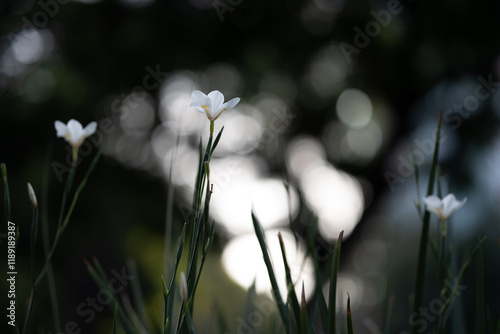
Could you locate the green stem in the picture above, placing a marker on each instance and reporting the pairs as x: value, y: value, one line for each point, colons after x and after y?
x: 67, y: 189
x: 60, y: 230
x: 420, y: 277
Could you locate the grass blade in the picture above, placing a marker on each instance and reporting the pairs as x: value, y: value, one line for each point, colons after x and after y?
x: 349, y: 316
x: 420, y: 276
x: 283, y: 311
x: 165, y: 302
x: 216, y: 141
x: 332, y: 326
x: 292, y: 296
x: 115, y: 317
x: 304, y: 322
x: 80, y: 188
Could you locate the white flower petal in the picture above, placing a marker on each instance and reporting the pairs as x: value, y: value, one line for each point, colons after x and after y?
x: 61, y: 128
x: 217, y: 100
x: 202, y: 99
x: 199, y: 97
x: 75, y: 130
x: 230, y: 104
x: 451, y: 204
x: 432, y: 203
x: 90, y: 129
x: 197, y: 106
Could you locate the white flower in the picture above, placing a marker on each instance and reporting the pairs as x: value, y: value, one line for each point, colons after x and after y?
x: 74, y: 133
x: 212, y: 104
x: 443, y: 207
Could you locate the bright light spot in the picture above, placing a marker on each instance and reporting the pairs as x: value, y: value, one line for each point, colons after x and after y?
x: 242, y: 260
x: 185, y: 166
x: 30, y: 46
x: 241, y: 133
x: 175, y: 112
x: 239, y: 188
x: 354, y: 108
x: 336, y: 197
x: 365, y: 142
x: 162, y: 140
x: 271, y: 203
x: 10, y: 65
x: 302, y: 153
x: 139, y: 117
x: 132, y: 151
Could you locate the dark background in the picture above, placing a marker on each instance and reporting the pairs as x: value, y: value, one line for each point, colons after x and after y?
x: 428, y: 57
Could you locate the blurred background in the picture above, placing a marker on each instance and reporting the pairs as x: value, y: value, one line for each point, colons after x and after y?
x: 334, y: 94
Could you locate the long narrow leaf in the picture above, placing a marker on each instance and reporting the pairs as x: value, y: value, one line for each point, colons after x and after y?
x: 350, y: 330
x: 420, y: 276
x: 292, y: 296
x: 332, y: 325
x: 216, y: 141
x: 304, y: 321
x: 115, y: 317
x: 283, y: 311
